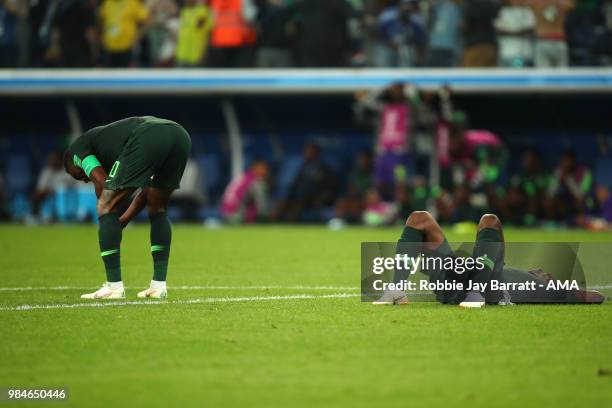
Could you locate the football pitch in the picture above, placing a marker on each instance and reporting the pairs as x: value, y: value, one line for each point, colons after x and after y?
x: 271, y: 316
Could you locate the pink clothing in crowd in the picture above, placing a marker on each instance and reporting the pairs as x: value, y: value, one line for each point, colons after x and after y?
x: 473, y: 140
x: 394, y: 127
x: 236, y: 194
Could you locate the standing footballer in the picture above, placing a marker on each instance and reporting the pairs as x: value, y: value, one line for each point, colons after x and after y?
x: 147, y: 154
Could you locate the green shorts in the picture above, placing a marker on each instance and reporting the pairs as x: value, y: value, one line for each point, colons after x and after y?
x: 154, y: 156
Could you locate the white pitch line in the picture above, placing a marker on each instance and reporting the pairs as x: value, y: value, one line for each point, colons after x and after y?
x: 184, y: 287
x: 111, y: 303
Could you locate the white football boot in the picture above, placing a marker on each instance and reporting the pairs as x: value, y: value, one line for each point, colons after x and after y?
x: 392, y: 297
x: 473, y: 300
x: 154, y: 293
x: 106, y: 292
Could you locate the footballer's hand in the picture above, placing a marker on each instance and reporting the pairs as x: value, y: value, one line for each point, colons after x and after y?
x: 138, y: 203
x: 123, y: 222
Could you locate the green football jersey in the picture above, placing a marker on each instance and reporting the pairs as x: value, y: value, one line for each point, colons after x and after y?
x: 106, y: 142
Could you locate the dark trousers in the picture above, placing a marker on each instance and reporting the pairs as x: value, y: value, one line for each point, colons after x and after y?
x: 119, y: 59
x: 230, y: 57
x: 439, y: 57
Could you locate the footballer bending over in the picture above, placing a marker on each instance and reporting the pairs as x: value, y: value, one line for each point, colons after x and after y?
x: 143, y: 155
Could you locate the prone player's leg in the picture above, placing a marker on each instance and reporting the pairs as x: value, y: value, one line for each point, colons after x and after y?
x: 109, y: 237
x: 421, y: 227
x: 490, y: 247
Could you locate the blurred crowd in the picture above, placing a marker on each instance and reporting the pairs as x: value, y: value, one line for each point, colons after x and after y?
x: 427, y: 157
x: 305, y: 33
x: 424, y: 156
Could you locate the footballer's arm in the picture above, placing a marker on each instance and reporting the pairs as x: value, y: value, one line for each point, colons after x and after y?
x: 138, y: 203
x: 108, y: 200
x: 98, y: 178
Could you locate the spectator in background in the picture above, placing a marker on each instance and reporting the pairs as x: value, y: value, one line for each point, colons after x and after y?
x: 588, y: 37
x: 473, y: 157
x: 233, y: 35
x: 121, y: 24
x: 39, y: 32
x: 413, y: 195
x: 515, y: 26
x: 569, y: 189
x: 527, y: 192
x: 190, y: 196
x: 479, y: 37
x: 395, y: 112
x: 551, y: 45
x: 367, y: 31
x: 245, y: 199
x: 9, y: 21
x: 606, y: 10
x: 350, y: 207
x: 314, y: 187
x: 50, y: 180
x: 401, y: 35
x: 457, y: 206
x: 384, y: 54
x: 378, y: 212
x: 74, y: 38
x: 322, y: 32
x: 600, y: 218
x: 412, y: 39
x: 444, y: 34
x: 22, y: 31
x: 162, y: 16
x: 273, y: 39
x: 196, y: 21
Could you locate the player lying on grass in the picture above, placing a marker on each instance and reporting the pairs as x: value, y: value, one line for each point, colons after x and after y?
x: 145, y: 153
x: 422, y: 234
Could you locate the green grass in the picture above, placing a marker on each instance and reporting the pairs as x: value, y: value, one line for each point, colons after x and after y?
x: 290, y: 352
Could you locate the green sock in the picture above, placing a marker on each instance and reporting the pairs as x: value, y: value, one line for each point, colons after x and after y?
x: 410, y: 234
x: 489, y: 243
x: 161, y: 236
x: 489, y: 246
x: 109, y: 236
x: 408, y: 244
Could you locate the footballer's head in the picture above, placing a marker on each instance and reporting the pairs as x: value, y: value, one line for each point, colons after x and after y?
x: 77, y: 173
